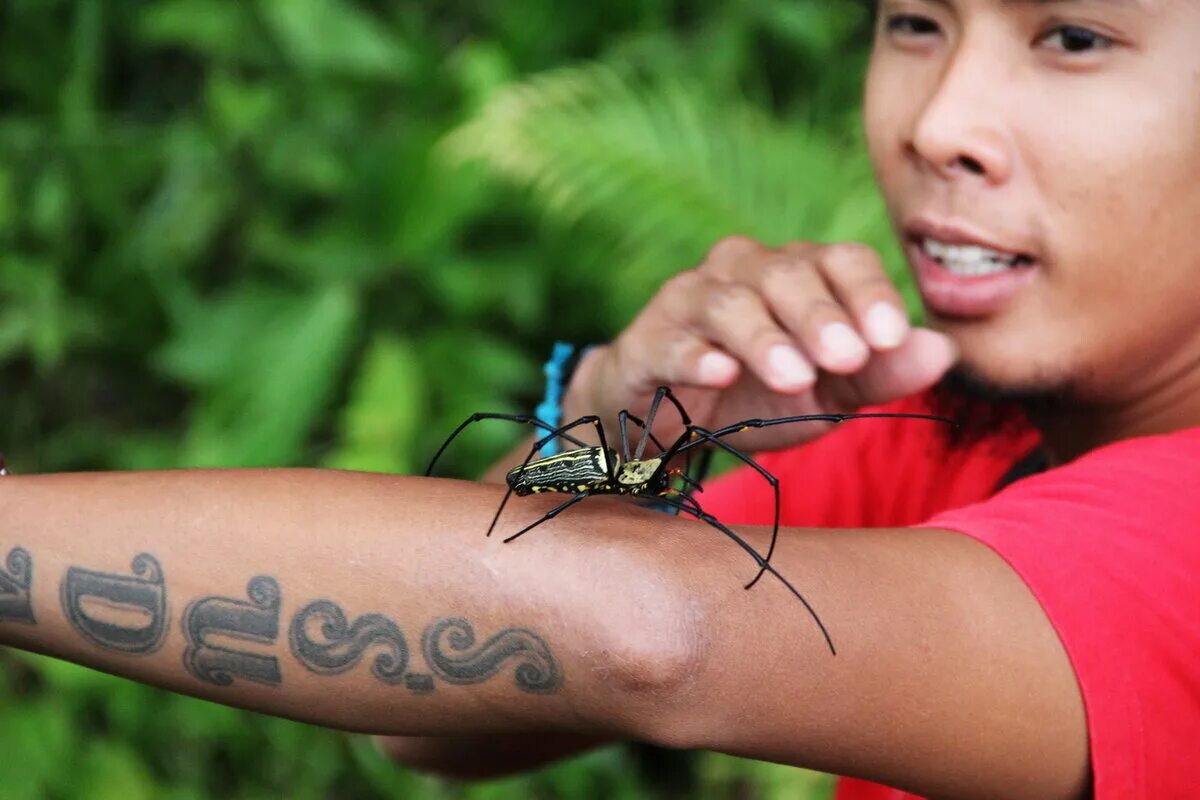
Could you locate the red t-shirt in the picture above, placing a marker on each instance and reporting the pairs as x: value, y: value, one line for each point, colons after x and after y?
x: 1109, y: 545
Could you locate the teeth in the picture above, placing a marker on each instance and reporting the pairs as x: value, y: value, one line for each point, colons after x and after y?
x: 969, y: 260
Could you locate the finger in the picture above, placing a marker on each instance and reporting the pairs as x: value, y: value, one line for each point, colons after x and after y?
x: 663, y: 346
x: 856, y: 275
x: 727, y: 257
x: 914, y: 366
x: 798, y: 296
x: 734, y: 317
x: 676, y: 358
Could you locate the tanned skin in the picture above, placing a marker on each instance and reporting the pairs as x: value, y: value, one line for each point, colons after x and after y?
x: 375, y: 604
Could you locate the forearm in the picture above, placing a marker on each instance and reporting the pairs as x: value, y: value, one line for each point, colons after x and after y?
x: 228, y: 585
x: 615, y: 621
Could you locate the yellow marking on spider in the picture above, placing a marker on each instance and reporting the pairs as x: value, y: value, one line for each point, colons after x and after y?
x: 634, y: 473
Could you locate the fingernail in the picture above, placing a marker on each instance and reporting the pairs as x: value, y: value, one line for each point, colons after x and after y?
x: 789, y: 366
x: 886, y: 325
x: 716, y: 368
x: 841, y: 343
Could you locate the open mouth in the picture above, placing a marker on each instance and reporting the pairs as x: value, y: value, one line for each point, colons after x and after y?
x: 962, y: 278
x: 970, y: 261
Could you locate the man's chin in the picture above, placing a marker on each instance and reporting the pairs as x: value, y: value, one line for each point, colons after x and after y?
x: 1031, y: 394
x: 982, y: 406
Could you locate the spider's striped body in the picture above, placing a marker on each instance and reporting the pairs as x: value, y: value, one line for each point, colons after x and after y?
x: 595, y: 470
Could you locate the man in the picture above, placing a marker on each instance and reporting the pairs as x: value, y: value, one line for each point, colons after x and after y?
x: 1038, y: 159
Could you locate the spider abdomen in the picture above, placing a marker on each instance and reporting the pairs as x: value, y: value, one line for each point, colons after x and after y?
x: 583, y: 469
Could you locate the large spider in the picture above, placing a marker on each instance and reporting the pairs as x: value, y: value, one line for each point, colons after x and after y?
x: 588, y: 470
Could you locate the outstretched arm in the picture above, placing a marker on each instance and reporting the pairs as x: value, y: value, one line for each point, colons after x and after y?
x: 292, y: 592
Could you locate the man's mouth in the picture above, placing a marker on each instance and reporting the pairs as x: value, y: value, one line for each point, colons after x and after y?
x: 971, y: 261
x: 964, y: 276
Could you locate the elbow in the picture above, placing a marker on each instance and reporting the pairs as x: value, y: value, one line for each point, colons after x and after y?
x: 651, y: 666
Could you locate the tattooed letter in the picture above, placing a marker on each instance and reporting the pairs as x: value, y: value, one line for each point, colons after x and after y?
x: 323, y: 640
x: 536, y: 671
x: 227, y: 618
x: 127, y: 613
x: 15, y: 583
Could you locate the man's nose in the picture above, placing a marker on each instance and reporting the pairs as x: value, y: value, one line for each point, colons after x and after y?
x: 961, y: 131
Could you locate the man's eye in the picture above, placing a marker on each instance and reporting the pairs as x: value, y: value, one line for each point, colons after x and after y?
x: 911, y: 25
x: 1073, y: 39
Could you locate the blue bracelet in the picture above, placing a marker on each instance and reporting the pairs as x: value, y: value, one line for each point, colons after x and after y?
x: 559, y: 370
x: 549, y: 410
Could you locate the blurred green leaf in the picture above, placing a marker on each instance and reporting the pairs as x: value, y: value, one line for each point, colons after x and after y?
x: 110, y: 770
x: 662, y: 170
x: 37, y: 317
x: 241, y: 109
x: 51, y: 206
x: 271, y: 360
x: 387, y: 407
x: 213, y: 28
x: 37, y: 739
x: 329, y: 36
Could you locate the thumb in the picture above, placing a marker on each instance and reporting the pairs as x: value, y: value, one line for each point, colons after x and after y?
x: 912, y: 367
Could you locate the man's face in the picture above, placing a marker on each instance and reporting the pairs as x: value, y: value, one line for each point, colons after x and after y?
x: 1064, y: 137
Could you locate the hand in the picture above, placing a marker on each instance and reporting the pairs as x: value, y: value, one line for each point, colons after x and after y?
x: 761, y: 332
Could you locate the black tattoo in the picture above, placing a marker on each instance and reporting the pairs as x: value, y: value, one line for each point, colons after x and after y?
x: 537, y: 671
x: 254, y: 621
x: 118, y: 612
x: 16, y: 604
x: 339, y: 646
x: 418, y: 683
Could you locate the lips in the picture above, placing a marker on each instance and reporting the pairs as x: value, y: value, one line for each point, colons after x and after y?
x: 965, y: 292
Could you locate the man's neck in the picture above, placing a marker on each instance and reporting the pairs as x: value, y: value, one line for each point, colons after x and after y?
x: 1079, y: 427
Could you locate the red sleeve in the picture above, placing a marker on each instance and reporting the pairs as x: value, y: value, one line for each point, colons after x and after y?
x: 1110, y: 546
x: 870, y: 473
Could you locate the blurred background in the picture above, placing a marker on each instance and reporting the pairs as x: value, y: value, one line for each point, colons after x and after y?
x: 323, y: 232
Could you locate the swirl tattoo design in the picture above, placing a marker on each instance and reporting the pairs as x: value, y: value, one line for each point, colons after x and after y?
x: 342, y: 645
x: 15, y: 585
x: 537, y: 672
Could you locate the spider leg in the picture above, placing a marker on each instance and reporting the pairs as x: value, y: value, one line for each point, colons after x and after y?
x: 746, y: 425
x: 669, y: 395
x: 540, y: 443
x: 524, y: 419
x: 714, y: 522
x: 551, y: 514
x: 701, y: 470
x: 689, y: 482
x: 641, y: 424
x: 695, y: 436
x: 662, y: 392
x: 658, y: 396
x: 692, y: 485
x: 623, y: 418
x: 702, y: 435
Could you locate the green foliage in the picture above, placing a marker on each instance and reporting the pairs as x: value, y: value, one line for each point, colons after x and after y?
x: 656, y: 169
x: 308, y: 232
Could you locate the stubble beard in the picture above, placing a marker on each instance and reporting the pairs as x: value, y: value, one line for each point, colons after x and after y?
x: 981, y: 408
